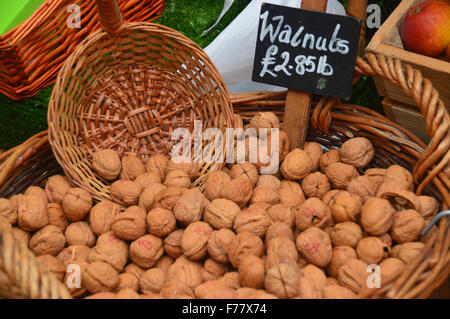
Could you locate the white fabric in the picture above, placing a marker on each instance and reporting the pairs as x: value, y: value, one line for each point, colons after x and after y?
x: 233, y: 50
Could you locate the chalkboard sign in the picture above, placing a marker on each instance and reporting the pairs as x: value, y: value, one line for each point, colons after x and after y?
x: 306, y: 50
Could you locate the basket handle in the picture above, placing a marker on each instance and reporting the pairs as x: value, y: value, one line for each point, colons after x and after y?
x: 110, y: 15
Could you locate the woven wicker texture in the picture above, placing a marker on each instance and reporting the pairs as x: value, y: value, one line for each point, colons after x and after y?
x: 32, y: 53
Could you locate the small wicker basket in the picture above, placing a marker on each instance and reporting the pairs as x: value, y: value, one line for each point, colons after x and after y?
x: 127, y: 89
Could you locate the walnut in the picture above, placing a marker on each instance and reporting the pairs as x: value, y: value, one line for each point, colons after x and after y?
x: 152, y: 281
x: 107, y: 164
x: 345, y: 206
x: 330, y: 196
x: 328, y: 158
x: 112, y: 238
x: 246, y: 293
x: 131, y: 224
x: 246, y: 170
x: 283, y: 248
x: 315, y: 185
x: 56, y: 187
x: 164, y: 263
x: 312, y: 281
x: 265, y: 120
x: 390, y: 269
x: 268, y: 181
x: 297, y: 165
x: 341, y: 174
x: 146, y: 200
x: 52, y: 264
x: 195, y: 239
x: 132, y: 167
x: 357, y: 151
x: 73, y: 278
x: 47, y: 241
x: 339, y: 257
x: 315, y: 245
x: 157, y: 164
x: 242, y: 245
x: 278, y: 229
x: 269, y: 154
x: 283, y: 280
x: 161, y: 222
x: 399, y: 198
x: 128, y: 281
x: 102, y: 215
x: 372, y: 250
x: 230, y: 280
x: 36, y: 190
x: 148, y: 179
x: 265, y: 195
x: 100, y: 277
x: 398, y: 174
x: 313, y: 212
x: 134, y: 270
x: 218, y: 244
x: 177, y: 178
x: 32, y: 213
x: 363, y: 187
x: 337, y: 292
x: 190, y: 206
x: 76, y: 204
x: 191, y: 169
x: 173, y: 291
x: 253, y: 221
x: 56, y: 216
x: 207, y: 288
x: 213, y: 270
x: 125, y: 192
x: 333, y: 281
x: 7, y: 210
x: 376, y: 216
x: 282, y: 213
x: 214, y: 184
x: 386, y: 239
x: 376, y: 176
x: 290, y: 193
x: 20, y: 235
x: 238, y: 190
x: 314, y: 150
x: 168, y: 198
x: 74, y: 254
x: 79, y: 233
x: 251, y: 272
x: 427, y: 206
x: 407, y: 226
x: 172, y: 243
x: 346, y: 234
x: 110, y: 253
x: 102, y: 295
x: 221, y: 213
x: 353, y: 275
x: 127, y: 294
x: 185, y: 272
x: 408, y: 251
x: 146, y: 250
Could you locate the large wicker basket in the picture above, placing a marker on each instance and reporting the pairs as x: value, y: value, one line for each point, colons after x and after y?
x: 32, y: 53
x: 127, y: 89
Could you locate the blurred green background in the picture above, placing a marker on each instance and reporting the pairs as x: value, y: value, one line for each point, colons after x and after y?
x: 21, y: 119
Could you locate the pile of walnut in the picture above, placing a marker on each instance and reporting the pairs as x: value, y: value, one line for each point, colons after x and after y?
x: 309, y: 232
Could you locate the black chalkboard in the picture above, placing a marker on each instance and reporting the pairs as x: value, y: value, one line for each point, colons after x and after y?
x: 306, y: 50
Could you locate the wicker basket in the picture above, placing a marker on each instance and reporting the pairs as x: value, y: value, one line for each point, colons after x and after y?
x: 128, y: 89
x: 32, y: 53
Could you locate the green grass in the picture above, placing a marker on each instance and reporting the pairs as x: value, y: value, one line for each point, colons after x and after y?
x: 21, y: 119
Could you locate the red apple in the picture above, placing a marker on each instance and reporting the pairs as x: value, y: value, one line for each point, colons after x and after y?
x: 426, y: 28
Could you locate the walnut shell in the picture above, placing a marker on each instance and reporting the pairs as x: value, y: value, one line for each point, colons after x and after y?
x: 281, y: 213
x: 340, y: 174
x: 161, y: 222
x: 152, y: 281
x: 214, y: 184
x: 102, y: 295
x: 172, y: 291
x: 190, y: 206
x: 312, y: 281
x: 177, y: 178
x: 426, y: 206
x: 313, y: 212
x: 100, y: 277
x: 219, y: 243
x: 268, y: 156
x: 346, y: 234
x: 76, y: 204
x: 316, y: 185
x: 246, y: 170
x: 283, y: 280
x: 376, y: 176
x: 213, y: 270
x: 265, y: 120
x: 127, y: 281
x: 254, y: 221
x: 231, y: 280
x: 390, y: 269
x: 269, y: 181
x: 110, y: 253
x: 363, y: 187
x: 74, y: 254
x: 131, y: 224
x: 339, y: 257
x: 132, y: 167
x: 52, y: 264
x: 125, y: 192
x: 79, y: 233
x: 283, y: 248
x: 147, y: 197
x: 328, y: 158
x: 238, y: 190
x: 264, y: 195
x: 399, y: 198
x: 191, y: 169
x: 56, y: 216
x: 172, y: 243
x: 168, y: 198
x: 146, y: 250
x: 353, y: 275
x: 398, y: 174
x: 290, y: 193
x: 408, y: 251
x: 107, y: 164
x: 148, y: 179
x: 345, y: 206
x: 377, y: 216
x: 357, y: 151
x: 164, y: 263
x: 372, y: 250
x: 297, y: 165
x: 47, y: 241
x: 185, y: 272
x: 251, y: 272
x: 7, y: 210
x: 242, y: 245
x: 315, y: 245
x: 32, y: 213
x: 337, y: 292
x: 56, y: 187
x: 278, y: 229
x: 157, y: 164
x: 134, y: 270
x: 73, y: 278
x: 221, y: 213
x: 102, y: 215
x: 209, y: 288
x: 36, y: 190
x: 407, y: 226
x: 195, y: 239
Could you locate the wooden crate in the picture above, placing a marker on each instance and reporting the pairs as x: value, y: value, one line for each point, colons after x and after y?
x: 387, y: 41
x: 407, y: 116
